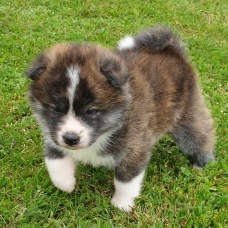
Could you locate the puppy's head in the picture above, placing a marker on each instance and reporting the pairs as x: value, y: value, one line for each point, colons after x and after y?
x: 78, y: 93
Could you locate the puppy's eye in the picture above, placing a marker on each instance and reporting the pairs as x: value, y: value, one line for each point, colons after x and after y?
x: 56, y: 109
x: 91, y: 112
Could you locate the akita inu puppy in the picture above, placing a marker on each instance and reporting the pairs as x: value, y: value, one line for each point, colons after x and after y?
x: 109, y: 107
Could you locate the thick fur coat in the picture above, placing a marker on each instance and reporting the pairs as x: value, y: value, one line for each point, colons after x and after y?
x: 109, y: 107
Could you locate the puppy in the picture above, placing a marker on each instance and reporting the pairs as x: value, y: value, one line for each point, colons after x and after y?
x: 109, y: 107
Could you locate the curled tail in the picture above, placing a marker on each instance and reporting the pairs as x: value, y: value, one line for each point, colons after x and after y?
x: 154, y: 39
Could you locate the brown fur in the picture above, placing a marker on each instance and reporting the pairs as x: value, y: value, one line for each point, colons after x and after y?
x: 161, y: 92
x: 149, y: 90
x: 166, y: 98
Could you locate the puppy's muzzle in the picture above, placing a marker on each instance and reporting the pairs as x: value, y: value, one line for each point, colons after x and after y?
x: 71, y: 139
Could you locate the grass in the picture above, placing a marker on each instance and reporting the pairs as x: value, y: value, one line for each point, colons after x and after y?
x: 173, y: 194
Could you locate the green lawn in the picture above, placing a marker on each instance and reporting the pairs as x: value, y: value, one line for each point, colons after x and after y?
x: 173, y: 194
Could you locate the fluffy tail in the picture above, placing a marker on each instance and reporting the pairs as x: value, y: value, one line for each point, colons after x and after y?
x: 154, y: 39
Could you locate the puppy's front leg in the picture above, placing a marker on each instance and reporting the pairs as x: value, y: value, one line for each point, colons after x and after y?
x: 126, y: 191
x: 61, y: 169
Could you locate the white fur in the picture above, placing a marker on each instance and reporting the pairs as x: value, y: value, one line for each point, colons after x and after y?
x: 88, y: 155
x: 72, y: 124
x: 61, y: 172
x: 73, y: 75
x: 126, y: 192
x: 196, y: 167
x: 126, y: 43
x: 91, y: 155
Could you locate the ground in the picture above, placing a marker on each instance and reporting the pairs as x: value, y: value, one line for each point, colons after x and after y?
x: 173, y: 195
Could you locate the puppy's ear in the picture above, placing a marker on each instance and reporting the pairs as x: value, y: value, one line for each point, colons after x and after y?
x: 37, y: 68
x: 114, y: 70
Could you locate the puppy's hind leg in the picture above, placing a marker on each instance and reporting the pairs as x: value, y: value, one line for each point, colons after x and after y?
x: 195, y: 135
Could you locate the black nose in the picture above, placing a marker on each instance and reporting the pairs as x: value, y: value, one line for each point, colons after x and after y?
x: 71, y: 139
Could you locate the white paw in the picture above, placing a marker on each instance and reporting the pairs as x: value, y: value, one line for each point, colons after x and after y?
x: 124, y: 203
x: 65, y: 184
x: 126, y: 192
x: 196, y: 167
x: 61, y: 172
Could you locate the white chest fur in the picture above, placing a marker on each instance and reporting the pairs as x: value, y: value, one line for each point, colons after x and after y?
x: 91, y: 155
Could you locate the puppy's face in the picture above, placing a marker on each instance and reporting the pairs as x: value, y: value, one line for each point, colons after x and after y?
x: 78, y: 93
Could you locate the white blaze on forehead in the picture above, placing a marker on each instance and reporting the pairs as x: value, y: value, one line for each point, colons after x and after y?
x: 73, y: 75
x: 71, y: 123
x: 126, y: 43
